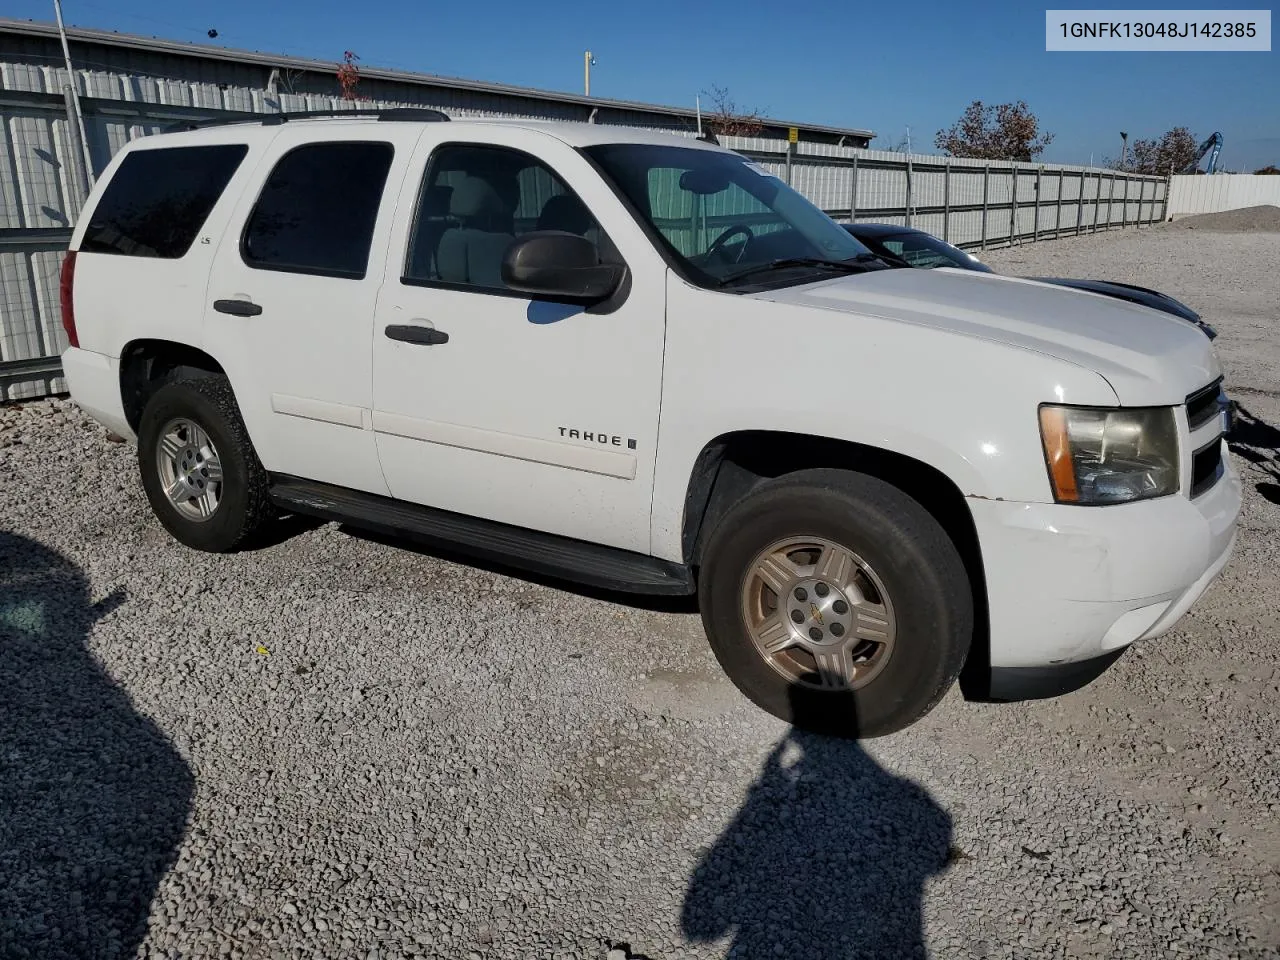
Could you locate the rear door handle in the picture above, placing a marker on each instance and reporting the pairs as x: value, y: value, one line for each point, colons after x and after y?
x: 237, y: 308
x: 408, y: 333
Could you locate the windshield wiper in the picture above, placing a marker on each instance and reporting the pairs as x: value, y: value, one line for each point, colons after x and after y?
x: 854, y: 265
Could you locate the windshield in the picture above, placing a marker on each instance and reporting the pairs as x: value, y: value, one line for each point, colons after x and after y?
x: 719, y: 215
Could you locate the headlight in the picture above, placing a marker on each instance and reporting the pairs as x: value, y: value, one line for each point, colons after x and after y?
x: 1098, y: 456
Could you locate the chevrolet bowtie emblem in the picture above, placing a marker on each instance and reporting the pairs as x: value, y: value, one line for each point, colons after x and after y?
x: 817, y: 614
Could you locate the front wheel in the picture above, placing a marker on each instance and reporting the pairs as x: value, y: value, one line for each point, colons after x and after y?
x: 836, y: 602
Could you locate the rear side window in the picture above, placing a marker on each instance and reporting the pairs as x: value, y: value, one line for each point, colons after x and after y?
x: 317, y: 210
x: 159, y: 199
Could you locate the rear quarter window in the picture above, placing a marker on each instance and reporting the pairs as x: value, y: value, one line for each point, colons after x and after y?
x: 159, y: 199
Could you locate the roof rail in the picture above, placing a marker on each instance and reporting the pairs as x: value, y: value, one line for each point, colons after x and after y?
x: 275, y: 119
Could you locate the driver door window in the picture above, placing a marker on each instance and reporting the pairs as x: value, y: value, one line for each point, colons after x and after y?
x: 474, y: 203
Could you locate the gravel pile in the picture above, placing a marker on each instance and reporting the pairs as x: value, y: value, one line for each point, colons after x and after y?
x: 332, y: 747
x: 1264, y: 218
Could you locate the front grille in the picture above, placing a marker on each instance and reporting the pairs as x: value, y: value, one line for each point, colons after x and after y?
x: 1206, y: 467
x: 1204, y: 405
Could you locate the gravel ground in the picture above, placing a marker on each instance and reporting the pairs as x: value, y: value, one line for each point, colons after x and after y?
x: 332, y: 747
x: 1265, y: 217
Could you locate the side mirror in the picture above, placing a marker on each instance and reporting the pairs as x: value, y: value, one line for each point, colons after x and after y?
x: 554, y: 265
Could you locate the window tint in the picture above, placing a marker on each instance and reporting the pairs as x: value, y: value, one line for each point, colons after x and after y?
x: 317, y: 210
x: 474, y: 202
x: 159, y: 199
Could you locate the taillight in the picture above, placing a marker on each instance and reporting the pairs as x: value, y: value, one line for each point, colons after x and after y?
x: 65, y: 283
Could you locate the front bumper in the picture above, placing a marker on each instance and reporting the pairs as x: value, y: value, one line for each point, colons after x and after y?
x: 1067, y: 584
x: 94, y: 382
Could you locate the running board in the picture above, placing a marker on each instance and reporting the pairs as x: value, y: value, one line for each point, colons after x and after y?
x: 531, y: 550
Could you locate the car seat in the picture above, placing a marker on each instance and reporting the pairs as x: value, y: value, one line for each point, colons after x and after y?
x: 472, y: 252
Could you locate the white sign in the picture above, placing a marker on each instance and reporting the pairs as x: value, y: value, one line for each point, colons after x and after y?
x: 1157, y: 30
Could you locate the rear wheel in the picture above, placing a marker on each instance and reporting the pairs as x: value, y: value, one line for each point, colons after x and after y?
x: 835, y: 601
x: 198, y: 468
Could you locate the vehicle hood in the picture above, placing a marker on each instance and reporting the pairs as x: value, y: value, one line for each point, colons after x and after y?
x: 1148, y: 357
x: 1126, y: 291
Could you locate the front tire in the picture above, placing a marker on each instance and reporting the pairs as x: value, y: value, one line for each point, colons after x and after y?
x: 199, y: 470
x: 836, y: 602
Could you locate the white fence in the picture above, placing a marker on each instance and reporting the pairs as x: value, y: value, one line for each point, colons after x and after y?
x: 1227, y: 191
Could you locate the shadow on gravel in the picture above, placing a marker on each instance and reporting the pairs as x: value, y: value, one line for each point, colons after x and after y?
x: 283, y: 530
x: 93, y: 797
x: 1258, y: 442
x: 826, y: 860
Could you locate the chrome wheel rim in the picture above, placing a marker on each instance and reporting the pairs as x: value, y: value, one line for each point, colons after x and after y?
x: 818, y: 614
x: 189, y: 468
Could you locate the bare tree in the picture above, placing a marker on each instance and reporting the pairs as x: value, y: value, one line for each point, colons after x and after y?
x: 1270, y: 168
x: 1006, y: 131
x: 290, y: 80
x: 724, y: 117
x: 897, y: 146
x: 1172, y: 153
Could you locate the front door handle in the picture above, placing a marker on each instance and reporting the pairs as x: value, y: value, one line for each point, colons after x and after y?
x: 408, y: 333
x: 237, y: 308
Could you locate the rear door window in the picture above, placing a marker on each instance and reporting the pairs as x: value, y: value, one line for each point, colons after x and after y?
x: 159, y: 199
x: 317, y: 210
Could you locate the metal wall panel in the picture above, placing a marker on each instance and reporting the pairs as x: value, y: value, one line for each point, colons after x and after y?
x: 1193, y: 193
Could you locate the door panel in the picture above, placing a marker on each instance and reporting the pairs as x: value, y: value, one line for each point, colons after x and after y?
x: 292, y: 294
x: 538, y: 414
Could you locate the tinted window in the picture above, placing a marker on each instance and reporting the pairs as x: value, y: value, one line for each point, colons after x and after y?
x: 473, y: 204
x: 159, y: 199
x: 317, y: 210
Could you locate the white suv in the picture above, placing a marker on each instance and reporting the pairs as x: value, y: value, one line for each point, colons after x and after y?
x: 641, y: 362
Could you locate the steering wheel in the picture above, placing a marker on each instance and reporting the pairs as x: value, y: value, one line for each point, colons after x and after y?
x: 733, y: 231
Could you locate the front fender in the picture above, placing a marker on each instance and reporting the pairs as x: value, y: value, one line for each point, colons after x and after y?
x: 965, y: 406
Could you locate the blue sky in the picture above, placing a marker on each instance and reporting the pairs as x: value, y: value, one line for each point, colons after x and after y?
x: 883, y: 66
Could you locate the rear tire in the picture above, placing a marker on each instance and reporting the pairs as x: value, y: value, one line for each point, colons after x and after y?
x: 836, y: 602
x: 199, y: 470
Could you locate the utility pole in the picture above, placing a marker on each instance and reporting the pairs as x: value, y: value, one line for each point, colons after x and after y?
x: 74, y: 97
x: 1124, y: 150
x: 588, y: 61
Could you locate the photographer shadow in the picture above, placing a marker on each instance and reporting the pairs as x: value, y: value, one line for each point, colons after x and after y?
x: 826, y: 859
x: 1258, y: 442
x: 94, y: 799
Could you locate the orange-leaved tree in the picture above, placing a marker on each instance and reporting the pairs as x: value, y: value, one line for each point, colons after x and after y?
x: 1006, y: 131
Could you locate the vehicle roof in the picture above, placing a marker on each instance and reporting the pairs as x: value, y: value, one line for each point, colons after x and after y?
x: 879, y: 229
x: 575, y: 134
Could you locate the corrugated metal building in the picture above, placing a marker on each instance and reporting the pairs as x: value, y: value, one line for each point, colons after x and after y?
x: 123, y: 67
